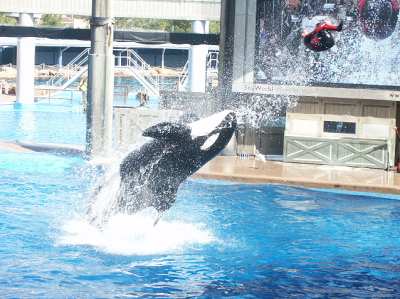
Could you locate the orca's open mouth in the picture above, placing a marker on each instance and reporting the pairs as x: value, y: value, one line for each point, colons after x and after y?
x: 213, y: 124
x: 209, y: 131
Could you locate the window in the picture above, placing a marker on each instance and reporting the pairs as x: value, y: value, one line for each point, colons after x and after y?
x: 339, y: 127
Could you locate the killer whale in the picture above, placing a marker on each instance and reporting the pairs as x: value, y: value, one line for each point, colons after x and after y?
x: 151, y: 175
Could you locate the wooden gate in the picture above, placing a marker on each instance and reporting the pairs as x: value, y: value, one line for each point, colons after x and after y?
x: 348, y: 152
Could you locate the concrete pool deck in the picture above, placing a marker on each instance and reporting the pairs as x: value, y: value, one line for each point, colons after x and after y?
x: 6, y: 99
x: 308, y: 175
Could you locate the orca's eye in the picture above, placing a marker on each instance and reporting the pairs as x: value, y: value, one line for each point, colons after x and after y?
x: 209, y: 142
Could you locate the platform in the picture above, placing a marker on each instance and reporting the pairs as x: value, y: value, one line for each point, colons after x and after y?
x: 7, y: 99
x: 308, y: 175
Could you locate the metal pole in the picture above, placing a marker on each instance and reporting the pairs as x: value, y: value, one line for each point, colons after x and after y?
x: 225, y: 67
x: 26, y: 63
x: 100, y: 80
x: 198, y: 61
x: 163, y: 58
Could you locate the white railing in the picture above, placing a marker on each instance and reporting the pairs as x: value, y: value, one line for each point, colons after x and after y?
x: 183, y: 78
x: 70, y: 70
x: 127, y: 58
x: 140, y: 69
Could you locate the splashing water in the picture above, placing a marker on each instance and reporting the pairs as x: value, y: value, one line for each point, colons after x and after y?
x: 124, y: 234
x: 260, y: 110
x: 104, y: 198
x: 109, y: 230
x: 136, y: 234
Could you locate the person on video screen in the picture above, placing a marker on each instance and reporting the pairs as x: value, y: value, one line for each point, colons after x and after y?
x: 378, y: 18
x: 321, y: 38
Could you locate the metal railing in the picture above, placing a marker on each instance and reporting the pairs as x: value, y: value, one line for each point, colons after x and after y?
x: 70, y: 71
x: 212, y: 70
x: 183, y: 78
x: 140, y: 69
x: 122, y: 92
x: 50, y: 94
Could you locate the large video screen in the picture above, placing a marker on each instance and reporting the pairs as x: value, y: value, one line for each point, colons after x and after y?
x: 353, y: 43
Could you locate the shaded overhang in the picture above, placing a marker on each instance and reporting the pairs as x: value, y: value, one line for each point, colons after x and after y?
x: 145, y: 38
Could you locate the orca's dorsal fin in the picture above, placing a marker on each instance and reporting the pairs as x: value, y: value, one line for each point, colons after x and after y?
x: 168, y: 131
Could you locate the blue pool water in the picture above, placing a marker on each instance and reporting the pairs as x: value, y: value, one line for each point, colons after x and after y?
x: 218, y: 240
x: 59, y: 123
x: 60, y: 119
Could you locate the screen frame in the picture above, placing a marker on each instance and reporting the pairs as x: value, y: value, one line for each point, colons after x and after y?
x: 243, y: 81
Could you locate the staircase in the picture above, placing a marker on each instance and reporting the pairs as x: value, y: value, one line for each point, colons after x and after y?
x: 71, y: 72
x: 184, y: 78
x: 128, y: 59
x: 140, y: 70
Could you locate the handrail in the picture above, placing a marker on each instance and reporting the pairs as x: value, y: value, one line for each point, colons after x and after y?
x: 146, y: 81
x: 184, y: 75
x: 145, y: 74
x: 74, y: 77
x: 83, y: 53
x: 72, y: 67
x: 141, y: 69
x: 132, y: 60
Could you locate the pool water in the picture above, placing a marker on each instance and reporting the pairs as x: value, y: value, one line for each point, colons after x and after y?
x: 63, y: 122
x: 218, y: 240
x: 61, y: 119
x: 60, y: 122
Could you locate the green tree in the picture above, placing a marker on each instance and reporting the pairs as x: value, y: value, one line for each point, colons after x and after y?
x: 180, y: 26
x: 215, y: 27
x: 153, y: 24
x: 6, y: 20
x: 161, y: 25
x: 52, y: 20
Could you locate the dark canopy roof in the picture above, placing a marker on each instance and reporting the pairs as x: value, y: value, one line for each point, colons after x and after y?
x: 84, y: 34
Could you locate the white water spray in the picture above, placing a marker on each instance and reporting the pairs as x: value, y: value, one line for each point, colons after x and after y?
x: 260, y: 110
x: 136, y: 234
x: 106, y: 229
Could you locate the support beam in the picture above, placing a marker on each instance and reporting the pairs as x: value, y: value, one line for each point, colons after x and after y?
x: 25, y: 64
x: 163, y: 58
x: 198, y: 68
x: 100, y: 80
x: 225, y: 71
x: 202, y: 27
x: 198, y: 60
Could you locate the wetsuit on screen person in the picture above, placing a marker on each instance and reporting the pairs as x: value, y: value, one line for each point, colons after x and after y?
x: 321, y: 38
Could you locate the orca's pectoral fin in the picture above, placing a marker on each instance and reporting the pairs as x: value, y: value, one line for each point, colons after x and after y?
x: 168, y: 130
x: 158, y: 218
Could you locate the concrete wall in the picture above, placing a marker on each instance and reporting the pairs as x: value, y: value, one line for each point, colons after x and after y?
x: 129, y: 123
